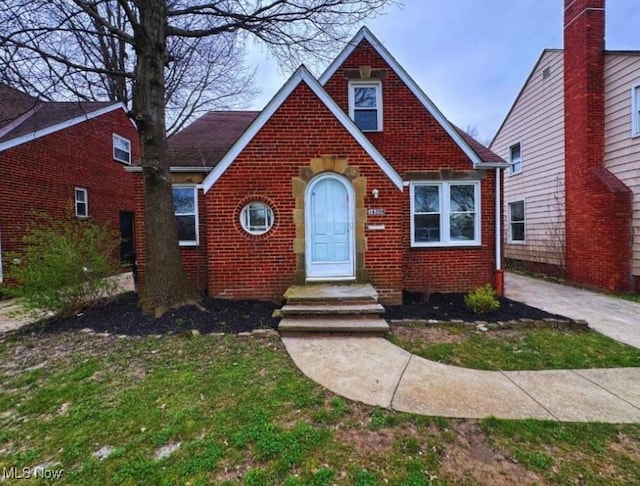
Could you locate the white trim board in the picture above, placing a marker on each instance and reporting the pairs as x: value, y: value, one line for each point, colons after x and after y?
x: 365, y: 33
x: 302, y: 75
x: 61, y: 126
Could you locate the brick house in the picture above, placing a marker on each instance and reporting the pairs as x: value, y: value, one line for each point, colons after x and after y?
x: 57, y: 154
x: 354, y: 177
x: 572, y: 136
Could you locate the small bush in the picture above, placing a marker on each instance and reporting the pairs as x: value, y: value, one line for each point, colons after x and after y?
x: 64, y: 265
x: 482, y: 299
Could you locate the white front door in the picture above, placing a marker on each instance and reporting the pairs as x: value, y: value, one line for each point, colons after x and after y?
x: 329, y: 217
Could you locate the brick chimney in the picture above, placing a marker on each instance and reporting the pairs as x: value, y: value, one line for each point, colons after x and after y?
x: 597, y: 203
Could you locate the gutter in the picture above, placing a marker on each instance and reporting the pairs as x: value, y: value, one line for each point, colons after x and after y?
x: 138, y: 168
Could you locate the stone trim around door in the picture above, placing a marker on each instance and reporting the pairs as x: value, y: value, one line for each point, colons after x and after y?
x: 337, y: 165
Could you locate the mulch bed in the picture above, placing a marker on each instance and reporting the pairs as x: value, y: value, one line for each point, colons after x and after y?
x: 122, y: 316
x: 448, y: 307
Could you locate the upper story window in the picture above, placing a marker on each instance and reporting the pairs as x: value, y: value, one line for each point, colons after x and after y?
x: 516, y: 222
x: 121, y: 149
x: 365, y: 105
x: 515, y: 158
x: 81, y: 202
x: 185, y: 205
x: 635, y: 111
x: 445, y: 213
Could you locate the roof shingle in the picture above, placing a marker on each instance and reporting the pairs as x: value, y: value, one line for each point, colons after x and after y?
x: 205, y: 141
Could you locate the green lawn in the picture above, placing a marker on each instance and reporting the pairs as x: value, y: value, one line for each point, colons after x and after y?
x: 242, y: 413
x: 526, y: 349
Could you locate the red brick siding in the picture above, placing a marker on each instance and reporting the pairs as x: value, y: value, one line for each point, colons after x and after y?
x: 412, y: 140
x: 194, y: 258
x: 598, y: 206
x: 41, y: 175
x: 262, y: 267
x: 242, y: 266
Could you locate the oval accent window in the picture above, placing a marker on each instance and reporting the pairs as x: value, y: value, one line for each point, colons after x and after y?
x: 256, y: 218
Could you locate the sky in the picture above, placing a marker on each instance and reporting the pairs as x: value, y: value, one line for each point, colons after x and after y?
x: 471, y: 57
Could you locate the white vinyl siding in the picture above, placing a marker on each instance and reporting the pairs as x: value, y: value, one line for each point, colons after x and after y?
x: 445, y: 214
x: 622, y: 149
x: 537, y: 122
x: 635, y: 110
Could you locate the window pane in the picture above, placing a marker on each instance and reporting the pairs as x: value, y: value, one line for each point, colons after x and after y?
x: 366, y: 119
x: 463, y: 199
x: 80, y: 196
x: 426, y: 199
x: 364, y: 97
x: 517, y: 211
x: 257, y: 216
x: 81, y: 209
x: 515, y: 152
x: 426, y: 228
x: 517, y: 231
x: 186, y: 228
x: 462, y: 227
x: 183, y: 200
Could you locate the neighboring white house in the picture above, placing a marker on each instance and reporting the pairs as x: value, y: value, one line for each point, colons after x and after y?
x: 532, y: 139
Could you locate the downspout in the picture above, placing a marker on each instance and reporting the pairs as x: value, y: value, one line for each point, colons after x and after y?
x: 498, y: 275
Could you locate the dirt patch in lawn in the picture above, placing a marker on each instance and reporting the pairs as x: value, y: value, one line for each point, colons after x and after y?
x: 427, y: 334
x: 470, y: 459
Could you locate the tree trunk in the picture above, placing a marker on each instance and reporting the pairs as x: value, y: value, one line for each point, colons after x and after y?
x: 165, y: 284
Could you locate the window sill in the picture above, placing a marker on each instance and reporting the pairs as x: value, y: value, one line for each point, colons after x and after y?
x: 188, y: 244
x: 517, y: 242
x: 471, y: 244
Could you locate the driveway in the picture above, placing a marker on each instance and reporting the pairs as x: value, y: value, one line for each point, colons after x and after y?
x: 613, y: 317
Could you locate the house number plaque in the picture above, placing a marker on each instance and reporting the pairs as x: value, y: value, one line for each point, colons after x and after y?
x: 376, y: 212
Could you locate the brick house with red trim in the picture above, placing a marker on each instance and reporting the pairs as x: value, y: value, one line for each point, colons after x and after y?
x: 56, y: 154
x: 352, y: 177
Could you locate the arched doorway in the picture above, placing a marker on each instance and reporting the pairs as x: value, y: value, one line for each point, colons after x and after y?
x: 329, y: 228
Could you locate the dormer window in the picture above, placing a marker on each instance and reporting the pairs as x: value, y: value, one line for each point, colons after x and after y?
x: 121, y: 149
x: 365, y: 105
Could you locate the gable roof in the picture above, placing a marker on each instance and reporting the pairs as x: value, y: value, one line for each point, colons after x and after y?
x: 535, y: 67
x: 302, y: 75
x: 26, y: 118
x: 204, y: 142
x: 479, y: 158
x: 14, y: 104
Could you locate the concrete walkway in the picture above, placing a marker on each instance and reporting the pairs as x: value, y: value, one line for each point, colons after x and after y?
x: 616, y: 318
x: 375, y: 372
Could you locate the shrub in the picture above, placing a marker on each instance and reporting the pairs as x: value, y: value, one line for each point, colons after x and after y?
x: 482, y: 299
x: 64, y: 265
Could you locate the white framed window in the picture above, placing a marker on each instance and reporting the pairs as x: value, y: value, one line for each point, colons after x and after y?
x: 515, y: 158
x: 516, y: 222
x: 121, y: 149
x: 445, y: 214
x: 81, y: 202
x: 635, y: 110
x: 185, y: 206
x: 256, y: 218
x: 365, y: 105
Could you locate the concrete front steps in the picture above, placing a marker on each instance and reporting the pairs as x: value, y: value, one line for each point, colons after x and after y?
x: 332, y: 308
